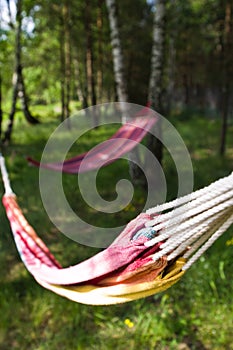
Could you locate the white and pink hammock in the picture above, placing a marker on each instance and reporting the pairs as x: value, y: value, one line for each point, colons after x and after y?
x: 123, y: 141
x: 149, y: 256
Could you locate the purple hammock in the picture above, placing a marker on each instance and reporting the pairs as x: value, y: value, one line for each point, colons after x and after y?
x: 123, y: 141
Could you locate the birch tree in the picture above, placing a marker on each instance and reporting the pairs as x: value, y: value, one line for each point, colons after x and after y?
x: 156, y: 77
x: 99, y: 23
x: 121, y: 85
x: 226, y: 62
x: 19, y: 89
x: 118, y: 60
x: 0, y: 103
x: 65, y: 57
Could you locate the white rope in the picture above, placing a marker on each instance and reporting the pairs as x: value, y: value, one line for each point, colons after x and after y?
x: 191, y: 232
x: 174, y: 242
x: 205, y: 237
x: 186, y: 220
x: 211, y: 240
x: 205, y: 200
x: 199, y: 204
x: 193, y: 240
x: 5, y: 177
x: 189, y: 197
x: 194, y: 221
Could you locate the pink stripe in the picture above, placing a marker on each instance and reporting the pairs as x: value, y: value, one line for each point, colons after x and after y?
x: 44, y: 267
x: 119, y: 144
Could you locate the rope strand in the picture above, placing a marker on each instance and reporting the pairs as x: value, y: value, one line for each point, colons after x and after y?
x: 211, y: 240
x: 194, y: 221
x: 206, y: 198
x: 5, y: 177
x: 191, y: 196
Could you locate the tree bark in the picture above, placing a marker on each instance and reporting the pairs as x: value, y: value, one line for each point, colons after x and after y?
x: 121, y: 86
x: 156, y: 78
x: 0, y: 105
x: 8, y: 132
x: 62, y: 70
x: 90, y: 61
x: 9, y: 14
x: 23, y: 97
x: 226, y: 59
x: 100, y: 52
x: 19, y: 70
x: 78, y: 80
x: 65, y: 61
x: 18, y: 81
x: 118, y: 61
x: 171, y: 76
x: 66, y: 14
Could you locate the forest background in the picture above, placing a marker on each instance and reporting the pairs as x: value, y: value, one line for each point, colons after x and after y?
x: 56, y: 58
x: 66, y: 55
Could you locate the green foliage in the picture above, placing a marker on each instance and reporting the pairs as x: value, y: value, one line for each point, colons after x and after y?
x: 197, y: 68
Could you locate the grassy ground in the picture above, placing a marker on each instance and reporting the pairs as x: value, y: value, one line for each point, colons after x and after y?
x: 194, y: 314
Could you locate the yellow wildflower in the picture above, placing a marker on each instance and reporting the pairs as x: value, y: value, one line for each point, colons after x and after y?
x: 229, y: 242
x: 128, y: 323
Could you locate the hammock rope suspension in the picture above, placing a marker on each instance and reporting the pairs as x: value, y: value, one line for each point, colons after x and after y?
x: 149, y: 256
x: 194, y: 221
x: 5, y: 177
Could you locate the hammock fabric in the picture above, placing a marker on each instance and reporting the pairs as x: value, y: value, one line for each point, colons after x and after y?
x: 123, y: 141
x: 142, y: 261
x: 122, y: 272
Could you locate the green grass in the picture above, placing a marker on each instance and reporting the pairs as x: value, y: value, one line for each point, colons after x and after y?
x: 196, y: 313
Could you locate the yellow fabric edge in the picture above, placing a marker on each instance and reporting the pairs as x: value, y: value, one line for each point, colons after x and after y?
x: 121, y: 293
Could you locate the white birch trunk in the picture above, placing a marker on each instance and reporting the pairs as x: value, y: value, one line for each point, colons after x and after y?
x: 118, y: 61
x: 157, y: 68
x: 119, y: 73
x: 19, y: 89
x: 155, y: 85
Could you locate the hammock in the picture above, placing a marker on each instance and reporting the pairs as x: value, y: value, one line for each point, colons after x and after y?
x: 123, y: 141
x: 149, y: 256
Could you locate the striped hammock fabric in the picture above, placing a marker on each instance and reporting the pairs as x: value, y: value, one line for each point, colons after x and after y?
x: 123, y: 141
x: 122, y: 272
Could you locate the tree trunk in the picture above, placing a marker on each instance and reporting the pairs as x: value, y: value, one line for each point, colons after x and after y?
x: 9, y: 14
x: 19, y: 70
x: 65, y: 60
x: 0, y: 104
x: 62, y: 79
x: 90, y: 60
x: 118, y: 61
x: 23, y: 97
x: 121, y: 86
x: 66, y: 15
x: 100, y: 51
x: 18, y: 81
x: 78, y: 82
x: 171, y: 76
x: 8, y: 132
x: 226, y: 59
x: 85, y: 86
x: 156, y: 79
x: 224, y: 113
